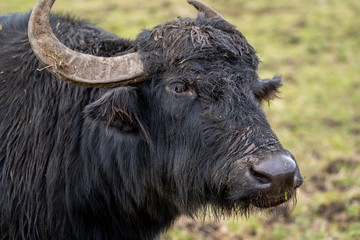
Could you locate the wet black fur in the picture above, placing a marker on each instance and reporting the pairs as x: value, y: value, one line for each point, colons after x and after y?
x: 124, y: 163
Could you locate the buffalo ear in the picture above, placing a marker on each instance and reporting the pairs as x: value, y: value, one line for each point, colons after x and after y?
x: 267, y: 89
x: 118, y: 108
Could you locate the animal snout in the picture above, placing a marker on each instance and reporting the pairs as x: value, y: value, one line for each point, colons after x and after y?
x: 276, y: 174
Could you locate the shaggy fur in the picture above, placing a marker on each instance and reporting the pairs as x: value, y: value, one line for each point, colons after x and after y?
x: 124, y: 163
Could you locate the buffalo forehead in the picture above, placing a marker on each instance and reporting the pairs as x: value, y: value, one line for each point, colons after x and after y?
x: 200, y: 39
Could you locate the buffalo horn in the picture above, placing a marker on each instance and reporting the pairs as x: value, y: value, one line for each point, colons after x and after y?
x: 79, y: 68
x: 208, y: 11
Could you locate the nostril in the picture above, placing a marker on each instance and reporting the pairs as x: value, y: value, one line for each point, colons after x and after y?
x: 261, y: 178
x: 298, y: 181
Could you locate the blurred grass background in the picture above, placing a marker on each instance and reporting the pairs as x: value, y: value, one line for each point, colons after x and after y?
x: 315, y: 45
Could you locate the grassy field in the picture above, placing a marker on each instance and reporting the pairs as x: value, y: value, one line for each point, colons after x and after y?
x: 315, y: 45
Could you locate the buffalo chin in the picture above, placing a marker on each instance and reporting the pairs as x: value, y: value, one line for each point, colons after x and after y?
x: 267, y: 203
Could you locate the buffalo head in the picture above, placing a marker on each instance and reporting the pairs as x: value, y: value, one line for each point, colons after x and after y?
x: 188, y: 130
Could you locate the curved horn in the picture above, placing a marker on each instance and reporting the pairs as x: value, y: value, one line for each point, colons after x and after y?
x: 78, y: 68
x: 202, y: 7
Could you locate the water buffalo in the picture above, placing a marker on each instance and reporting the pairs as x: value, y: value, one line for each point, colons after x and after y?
x: 105, y: 138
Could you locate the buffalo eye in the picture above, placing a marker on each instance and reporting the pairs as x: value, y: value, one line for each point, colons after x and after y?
x: 180, y: 89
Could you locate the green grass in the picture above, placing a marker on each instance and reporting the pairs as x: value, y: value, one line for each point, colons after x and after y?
x: 315, y: 45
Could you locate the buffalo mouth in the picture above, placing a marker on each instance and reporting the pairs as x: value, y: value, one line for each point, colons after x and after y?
x: 273, y: 201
